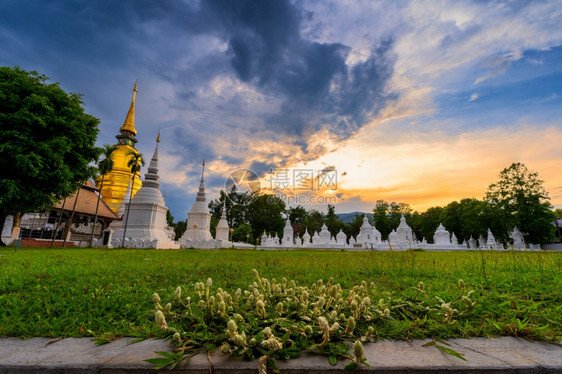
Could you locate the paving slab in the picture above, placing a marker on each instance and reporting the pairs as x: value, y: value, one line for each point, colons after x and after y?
x: 74, y: 355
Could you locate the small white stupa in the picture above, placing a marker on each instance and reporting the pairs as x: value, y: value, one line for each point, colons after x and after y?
x: 222, y: 226
x: 147, y: 212
x: 366, y: 232
x: 315, y: 238
x: 199, y: 217
x: 454, y: 240
x: 341, y: 238
x: 518, y: 239
x: 491, y: 241
x: 442, y: 236
x: 306, y: 238
x: 288, y: 234
x: 325, y: 235
x: 404, y: 232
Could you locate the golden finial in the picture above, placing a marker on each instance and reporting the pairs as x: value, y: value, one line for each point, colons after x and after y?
x: 158, y: 137
x: 203, y: 162
x: 129, y: 124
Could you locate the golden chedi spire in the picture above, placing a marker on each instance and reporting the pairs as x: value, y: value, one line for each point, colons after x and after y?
x: 129, y: 124
x: 117, y: 180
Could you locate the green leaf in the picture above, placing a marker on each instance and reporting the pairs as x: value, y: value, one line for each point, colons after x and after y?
x: 174, y: 356
x: 333, y: 360
x: 350, y: 367
x: 137, y: 340
x: 101, y: 341
x: 160, y: 362
x: 451, y: 352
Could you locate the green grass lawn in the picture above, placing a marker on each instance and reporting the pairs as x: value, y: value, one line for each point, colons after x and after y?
x: 95, y: 292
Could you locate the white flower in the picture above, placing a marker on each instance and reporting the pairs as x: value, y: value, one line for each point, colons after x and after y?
x: 160, y: 320
x: 155, y: 298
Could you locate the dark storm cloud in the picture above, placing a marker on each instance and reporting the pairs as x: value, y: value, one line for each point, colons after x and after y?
x: 266, y: 48
x: 99, y: 48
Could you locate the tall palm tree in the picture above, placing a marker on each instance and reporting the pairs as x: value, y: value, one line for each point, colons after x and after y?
x: 104, y: 167
x: 135, y: 163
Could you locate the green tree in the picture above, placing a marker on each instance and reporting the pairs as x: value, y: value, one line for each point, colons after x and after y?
x: 519, y: 199
x: 104, y: 166
x: 265, y: 214
x: 243, y: 233
x: 381, y: 219
x: 386, y: 216
x: 47, y: 142
x: 236, y: 206
x: 473, y: 216
x: 297, y: 216
x: 558, y: 213
x: 180, y: 228
x: 395, y: 212
x: 333, y: 222
x: 213, y: 225
x: 450, y: 218
x: 170, y: 219
x: 430, y: 220
x: 135, y: 163
x: 313, y: 221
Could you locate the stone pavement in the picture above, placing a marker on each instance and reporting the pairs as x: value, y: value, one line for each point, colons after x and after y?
x: 73, y: 355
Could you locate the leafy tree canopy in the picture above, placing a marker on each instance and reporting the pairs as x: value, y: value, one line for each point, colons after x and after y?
x: 47, y: 142
x: 519, y: 199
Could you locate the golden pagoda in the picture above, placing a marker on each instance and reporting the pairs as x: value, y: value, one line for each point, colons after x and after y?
x: 117, y: 180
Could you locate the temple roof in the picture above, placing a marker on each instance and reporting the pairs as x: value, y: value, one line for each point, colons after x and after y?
x: 86, y: 204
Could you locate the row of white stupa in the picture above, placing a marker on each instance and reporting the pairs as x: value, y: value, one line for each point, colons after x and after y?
x: 147, y: 228
x: 400, y: 239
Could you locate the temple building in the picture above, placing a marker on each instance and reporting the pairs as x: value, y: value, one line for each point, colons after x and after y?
x: 117, y: 180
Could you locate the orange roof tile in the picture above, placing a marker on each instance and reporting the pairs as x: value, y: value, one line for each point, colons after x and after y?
x: 86, y: 204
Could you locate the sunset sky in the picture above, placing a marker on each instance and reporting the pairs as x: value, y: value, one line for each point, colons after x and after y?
x: 420, y: 102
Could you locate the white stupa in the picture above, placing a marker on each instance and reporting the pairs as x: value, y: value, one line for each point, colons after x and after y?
x: 368, y: 234
x: 306, y: 238
x: 264, y: 240
x: 325, y: 235
x: 518, y: 239
x: 147, y: 212
x: 199, y: 217
x: 404, y: 232
x: 315, y: 238
x: 442, y: 236
x: 491, y: 241
x: 222, y: 226
x: 341, y: 238
x: 288, y: 234
x: 454, y: 240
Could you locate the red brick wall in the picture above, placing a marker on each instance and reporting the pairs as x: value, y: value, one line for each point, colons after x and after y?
x: 29, y: 242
